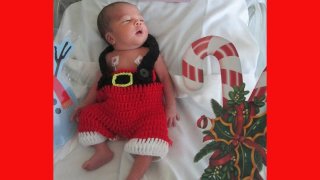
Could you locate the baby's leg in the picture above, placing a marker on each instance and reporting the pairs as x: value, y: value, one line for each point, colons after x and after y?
x: 139, y: 167
x: 102, y: 155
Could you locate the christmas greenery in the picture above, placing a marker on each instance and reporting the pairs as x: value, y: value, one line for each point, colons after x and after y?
x: 237, y: 138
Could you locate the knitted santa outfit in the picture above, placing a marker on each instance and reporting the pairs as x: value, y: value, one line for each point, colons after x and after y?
x: 130, y: 105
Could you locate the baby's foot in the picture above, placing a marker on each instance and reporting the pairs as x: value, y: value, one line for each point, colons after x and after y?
x: 98, y: 159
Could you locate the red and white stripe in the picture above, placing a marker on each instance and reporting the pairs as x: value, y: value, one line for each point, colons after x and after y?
x: 261, y: 86
x: 227, y: 55
x: 200, y: 47
x: 202, y: 122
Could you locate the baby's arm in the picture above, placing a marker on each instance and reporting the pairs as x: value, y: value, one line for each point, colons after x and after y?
x: 89, y: 99
x: 170, y: 101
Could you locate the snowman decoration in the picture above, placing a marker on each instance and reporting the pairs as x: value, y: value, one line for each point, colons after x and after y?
x: 64, y: 99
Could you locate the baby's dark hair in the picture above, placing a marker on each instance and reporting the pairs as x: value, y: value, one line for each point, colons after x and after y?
x: 103, y: 20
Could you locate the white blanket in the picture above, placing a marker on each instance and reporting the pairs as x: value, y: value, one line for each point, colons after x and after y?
x: 175, y: 26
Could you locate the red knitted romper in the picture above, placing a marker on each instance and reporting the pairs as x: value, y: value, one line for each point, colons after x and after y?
x: 129, y: 105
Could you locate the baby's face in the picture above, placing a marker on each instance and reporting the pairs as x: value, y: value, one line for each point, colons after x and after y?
x: 127, y: 27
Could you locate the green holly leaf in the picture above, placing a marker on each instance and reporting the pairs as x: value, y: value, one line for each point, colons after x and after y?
x: 222, y: 130
x: 230, y: 119
x: 231, y: 102
x: 216, y: 107
x: 231, y: 95
x: 261, y: 98
x: 259, y: 101
x: 242, y: 86
x: 259, y: 104
x: 258, y: 160
x: 224, y: 176
x: 208, y: 174
x: 205, y: 176
x: 261, y: 140
x: 237, y: 96
x: 210, y: 147
x: 244, y: 160
x: 258, y: 126
x: 241, y: 99
x: 206, y: 132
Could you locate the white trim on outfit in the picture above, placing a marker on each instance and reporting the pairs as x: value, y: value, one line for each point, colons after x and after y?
x: 91, y: 138
x: 151, y: 147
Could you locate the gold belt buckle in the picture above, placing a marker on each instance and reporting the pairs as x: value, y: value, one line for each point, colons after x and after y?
x: 115, y: 76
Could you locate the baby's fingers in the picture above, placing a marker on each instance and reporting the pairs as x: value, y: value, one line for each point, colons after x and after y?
x: 178, y: 117
x: 171, y: 122
x: 74, y: 116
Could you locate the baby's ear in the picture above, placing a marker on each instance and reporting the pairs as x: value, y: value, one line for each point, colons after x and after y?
x: 109, y: 38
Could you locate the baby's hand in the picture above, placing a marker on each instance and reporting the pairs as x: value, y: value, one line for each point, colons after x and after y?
x: 172, y: 116
x: 75, y: 114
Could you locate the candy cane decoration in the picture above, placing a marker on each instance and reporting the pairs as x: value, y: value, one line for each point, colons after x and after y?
x: 260, y: 88
x: 232, y: 123
x: 224, y: 51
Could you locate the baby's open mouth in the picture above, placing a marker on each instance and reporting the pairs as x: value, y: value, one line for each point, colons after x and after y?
x: 139, y: 32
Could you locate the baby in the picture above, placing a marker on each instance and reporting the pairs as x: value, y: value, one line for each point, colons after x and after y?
x: 133, y: 98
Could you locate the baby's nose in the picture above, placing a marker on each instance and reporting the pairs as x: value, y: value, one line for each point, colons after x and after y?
x: 137, y: 22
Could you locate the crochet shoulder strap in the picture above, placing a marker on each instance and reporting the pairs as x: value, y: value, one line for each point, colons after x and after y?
x: 105, y: 70
x: 151, y: 57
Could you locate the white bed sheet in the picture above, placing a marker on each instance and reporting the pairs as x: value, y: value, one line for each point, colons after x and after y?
x: 176, y: 26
